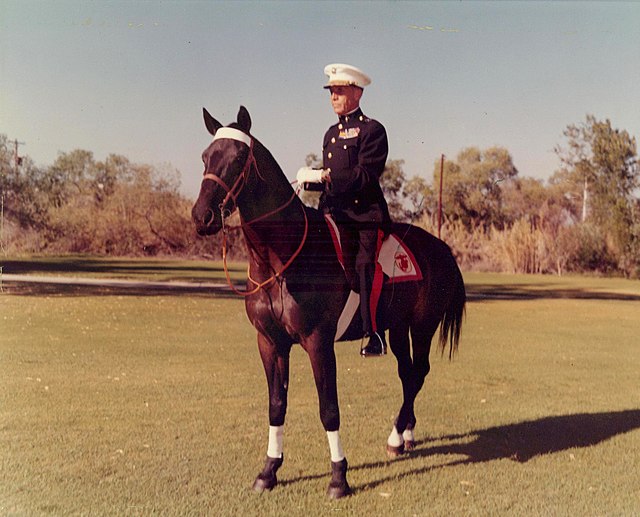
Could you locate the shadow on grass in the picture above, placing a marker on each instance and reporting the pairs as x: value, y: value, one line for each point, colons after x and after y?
x: 518, y: 442
x: 526, y: 440
x: 195, y: 272
x: 131, y: 289
x: 490, y: 292
x: 122, y: 267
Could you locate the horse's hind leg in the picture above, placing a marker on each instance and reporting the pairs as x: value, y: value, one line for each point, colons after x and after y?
x: 400, y: 346
x: 276, y: 366
x: 412, y: 372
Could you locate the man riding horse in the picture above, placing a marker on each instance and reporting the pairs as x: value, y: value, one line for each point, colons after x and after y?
x: 288, y: 302
x: 354, y: 154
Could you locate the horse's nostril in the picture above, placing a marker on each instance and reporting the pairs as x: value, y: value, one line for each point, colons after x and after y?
x: 209, y: 216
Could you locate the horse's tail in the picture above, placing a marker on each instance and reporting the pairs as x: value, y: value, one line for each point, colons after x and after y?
x: 451, y: 322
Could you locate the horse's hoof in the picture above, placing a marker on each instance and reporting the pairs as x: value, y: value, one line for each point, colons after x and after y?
x: 393, y: 452
x: 267, y: 479
x: 336, y: 492
x: 409, y: 445
x: 264, y: 485
x: 338, y: 487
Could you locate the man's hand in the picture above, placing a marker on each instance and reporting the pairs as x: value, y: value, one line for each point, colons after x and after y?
x: 309, y: 175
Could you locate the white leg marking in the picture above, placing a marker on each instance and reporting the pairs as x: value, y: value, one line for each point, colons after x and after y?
x: 337, y: 454
x: 408, y: 435
x: 395, y: 438
x: 276, y: 434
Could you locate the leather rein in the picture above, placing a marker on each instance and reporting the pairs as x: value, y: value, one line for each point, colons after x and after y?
x: 232, y: 195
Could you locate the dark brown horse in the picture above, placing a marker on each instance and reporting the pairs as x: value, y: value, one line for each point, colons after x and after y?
x: 297, y: 289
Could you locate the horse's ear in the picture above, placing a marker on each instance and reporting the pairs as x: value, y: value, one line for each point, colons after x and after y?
x: 244, y: 120
x: 212, y: 124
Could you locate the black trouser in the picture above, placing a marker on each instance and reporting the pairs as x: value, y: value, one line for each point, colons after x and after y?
x: 360, y: 248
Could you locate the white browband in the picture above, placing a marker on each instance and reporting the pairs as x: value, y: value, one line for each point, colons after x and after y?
x: 233, y: 134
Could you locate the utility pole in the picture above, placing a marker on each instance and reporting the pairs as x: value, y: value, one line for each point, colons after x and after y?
x: 17, y: 160
x: 585, y: 200
x: 440, y: 196
x: 1, y: 236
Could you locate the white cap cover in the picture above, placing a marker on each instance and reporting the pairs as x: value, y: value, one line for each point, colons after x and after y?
x: 345, y: 75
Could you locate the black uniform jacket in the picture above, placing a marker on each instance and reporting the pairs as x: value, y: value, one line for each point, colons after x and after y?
x: 355, y: 151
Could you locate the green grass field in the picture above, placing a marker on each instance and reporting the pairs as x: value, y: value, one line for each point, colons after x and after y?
x: 116, y: 403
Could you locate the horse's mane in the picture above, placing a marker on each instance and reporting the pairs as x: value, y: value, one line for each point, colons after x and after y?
x: 272, y: 162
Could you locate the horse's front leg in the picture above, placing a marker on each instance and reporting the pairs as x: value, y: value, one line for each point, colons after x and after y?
x: 319, y: 346
x: 275, y: 359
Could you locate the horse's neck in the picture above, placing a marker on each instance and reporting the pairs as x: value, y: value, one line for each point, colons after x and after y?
x: 267, y: 192
x: 273, y: 221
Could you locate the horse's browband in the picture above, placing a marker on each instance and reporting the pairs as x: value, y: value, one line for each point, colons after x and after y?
x: 233, y: 134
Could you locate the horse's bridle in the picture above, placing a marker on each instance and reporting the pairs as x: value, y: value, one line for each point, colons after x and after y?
x: 236, y: 188
x: 232, y: 194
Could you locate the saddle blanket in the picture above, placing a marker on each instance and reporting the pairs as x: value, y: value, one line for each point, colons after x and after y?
x: 397, y: 262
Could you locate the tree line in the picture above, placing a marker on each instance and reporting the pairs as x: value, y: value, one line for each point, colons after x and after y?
x: 585, y: 218
x: 82, y: 205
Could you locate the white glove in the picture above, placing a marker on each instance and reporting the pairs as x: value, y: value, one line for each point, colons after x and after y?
x: 309, y: 175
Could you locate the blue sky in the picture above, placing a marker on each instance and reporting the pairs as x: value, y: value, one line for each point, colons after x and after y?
x: 132, y: 77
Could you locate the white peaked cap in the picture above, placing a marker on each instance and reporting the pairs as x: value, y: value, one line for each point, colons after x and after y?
x: 345, y: 75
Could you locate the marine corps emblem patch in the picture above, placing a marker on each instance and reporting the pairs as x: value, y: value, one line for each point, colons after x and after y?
x: 402, y: 261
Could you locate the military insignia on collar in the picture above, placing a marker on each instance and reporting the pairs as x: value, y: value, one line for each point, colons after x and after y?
x: 352, y: 132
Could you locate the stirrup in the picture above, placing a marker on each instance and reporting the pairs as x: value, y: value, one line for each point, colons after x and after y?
x: 376, y: 347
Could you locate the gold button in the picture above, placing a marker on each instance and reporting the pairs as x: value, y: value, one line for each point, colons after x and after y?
x: 344, y: 146
x: 340, y: 126
x: 356, y: 201
x: 333, y: 140
x: 330, y: 155
x: 361, y: 118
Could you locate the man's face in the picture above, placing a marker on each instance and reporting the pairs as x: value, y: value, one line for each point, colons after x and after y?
x: 345, y: 99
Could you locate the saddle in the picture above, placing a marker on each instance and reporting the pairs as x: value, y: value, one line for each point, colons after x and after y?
x: 397, y: 262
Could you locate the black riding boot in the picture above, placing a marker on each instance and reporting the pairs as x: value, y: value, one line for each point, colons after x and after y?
x: 377, y: 345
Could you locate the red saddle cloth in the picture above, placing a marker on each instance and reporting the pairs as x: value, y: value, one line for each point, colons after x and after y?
x: 396, y: 259
x: 398, y: 265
